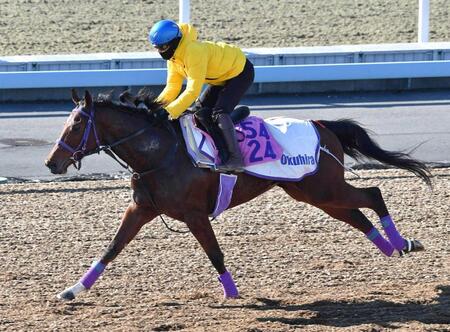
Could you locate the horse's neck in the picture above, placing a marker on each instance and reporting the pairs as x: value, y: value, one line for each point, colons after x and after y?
x: 142, y: 152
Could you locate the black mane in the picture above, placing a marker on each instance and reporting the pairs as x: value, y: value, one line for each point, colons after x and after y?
x: 129, y: 102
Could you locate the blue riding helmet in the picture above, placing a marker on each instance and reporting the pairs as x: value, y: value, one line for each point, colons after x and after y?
x: 163, y: 32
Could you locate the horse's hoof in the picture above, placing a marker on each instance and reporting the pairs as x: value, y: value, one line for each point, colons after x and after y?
x: 231, y: 297
x: 66, y: 295
x: 411, y: 245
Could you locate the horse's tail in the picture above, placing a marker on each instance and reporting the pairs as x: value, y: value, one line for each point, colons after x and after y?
x: 357, y: 143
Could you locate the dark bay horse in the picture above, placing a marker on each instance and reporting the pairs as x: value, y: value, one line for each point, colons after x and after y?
x: 165, y: 180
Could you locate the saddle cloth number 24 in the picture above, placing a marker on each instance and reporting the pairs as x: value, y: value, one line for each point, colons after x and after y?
x: 256, y: 143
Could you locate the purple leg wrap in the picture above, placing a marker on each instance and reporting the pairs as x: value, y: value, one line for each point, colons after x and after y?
x: 229, y: 288
x: 393, y: 235
x: 91, y: 276
x: 377, y: 239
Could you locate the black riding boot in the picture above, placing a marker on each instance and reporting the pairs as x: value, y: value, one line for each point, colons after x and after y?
x: 204, y: 116
x: 234, y: 162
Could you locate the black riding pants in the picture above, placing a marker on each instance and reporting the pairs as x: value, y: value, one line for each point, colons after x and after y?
x: 224, y: 98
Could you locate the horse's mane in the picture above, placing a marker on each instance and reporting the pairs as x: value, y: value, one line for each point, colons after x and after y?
x: 142, y: 103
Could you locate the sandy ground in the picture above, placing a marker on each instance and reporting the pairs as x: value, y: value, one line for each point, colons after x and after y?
x: 296, y: 268
x: 89, y: 26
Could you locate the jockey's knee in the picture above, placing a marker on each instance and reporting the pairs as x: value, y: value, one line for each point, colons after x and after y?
x: 204, y: 117
x: 237, y: 114
x: 218, y: 111
x: 196, y: 107
x: 203, y: 114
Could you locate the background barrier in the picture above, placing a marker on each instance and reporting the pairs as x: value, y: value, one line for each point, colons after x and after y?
x: 289, y: 70
x: 263, y: 74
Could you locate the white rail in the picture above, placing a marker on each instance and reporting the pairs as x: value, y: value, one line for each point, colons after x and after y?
x: 424, y: 18
x: 184, y: 15
x: 263, y: 74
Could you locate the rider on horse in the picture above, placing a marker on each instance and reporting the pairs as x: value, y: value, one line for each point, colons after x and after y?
x: 222, y: 66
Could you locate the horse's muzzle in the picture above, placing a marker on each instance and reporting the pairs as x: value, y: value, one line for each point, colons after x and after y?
x: 53, y: 167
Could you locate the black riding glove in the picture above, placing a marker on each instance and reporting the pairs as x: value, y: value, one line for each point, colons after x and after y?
x: 159, y: 116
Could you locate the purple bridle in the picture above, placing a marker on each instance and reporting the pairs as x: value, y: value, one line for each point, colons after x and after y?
x: 80, y: 151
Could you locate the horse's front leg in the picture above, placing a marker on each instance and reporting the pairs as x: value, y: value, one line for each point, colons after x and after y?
x: 134, y: 218
x: 200, y: 227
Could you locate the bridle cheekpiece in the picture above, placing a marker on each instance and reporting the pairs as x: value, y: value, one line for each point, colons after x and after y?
x: 80, y: 151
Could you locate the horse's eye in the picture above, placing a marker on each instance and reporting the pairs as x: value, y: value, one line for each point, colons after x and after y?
x: 76, y: 124
x: 76, y: 127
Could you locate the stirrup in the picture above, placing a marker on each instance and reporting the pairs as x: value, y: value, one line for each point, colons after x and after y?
x: 410, y: 246
x: 225, y: 168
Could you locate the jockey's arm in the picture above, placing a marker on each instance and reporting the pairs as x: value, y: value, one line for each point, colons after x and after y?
x: 196, y: 65
x: 173, y: 86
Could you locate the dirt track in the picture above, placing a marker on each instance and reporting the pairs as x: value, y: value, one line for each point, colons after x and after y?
x: 295, y: 267
x: 90, y: 26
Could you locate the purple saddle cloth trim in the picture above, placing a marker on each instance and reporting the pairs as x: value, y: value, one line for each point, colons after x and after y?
x: 226, y: 186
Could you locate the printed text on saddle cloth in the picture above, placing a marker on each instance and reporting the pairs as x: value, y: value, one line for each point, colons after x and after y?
x: 256, y: 142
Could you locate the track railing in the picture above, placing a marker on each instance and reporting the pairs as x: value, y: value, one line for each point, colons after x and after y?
x: 263, y: 74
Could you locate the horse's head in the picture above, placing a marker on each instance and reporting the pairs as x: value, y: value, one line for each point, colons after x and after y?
x: 78, y: 137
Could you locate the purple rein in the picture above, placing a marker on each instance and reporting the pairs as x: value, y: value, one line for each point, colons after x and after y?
x: 80, y: 150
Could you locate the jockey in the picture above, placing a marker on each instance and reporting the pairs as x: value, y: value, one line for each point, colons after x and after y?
x: 223, y: 67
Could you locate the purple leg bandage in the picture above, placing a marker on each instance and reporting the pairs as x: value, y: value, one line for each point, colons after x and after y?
x: 91, y: 276
x: 229, y: 288
x: 377, y: 239
x: 393, y: 235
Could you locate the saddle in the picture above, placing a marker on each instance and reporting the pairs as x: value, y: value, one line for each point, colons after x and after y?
x: 204, y: 121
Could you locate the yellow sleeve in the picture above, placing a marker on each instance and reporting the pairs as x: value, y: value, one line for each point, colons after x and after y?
x: 173, y: 85
x: 196, y: 65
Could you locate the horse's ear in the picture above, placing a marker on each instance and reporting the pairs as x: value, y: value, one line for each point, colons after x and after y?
x: 87, y: 99
x: 75, y: 97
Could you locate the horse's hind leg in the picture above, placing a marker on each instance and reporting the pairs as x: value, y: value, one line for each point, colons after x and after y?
x: 200, y: 227
x: 358, y: 220
x: 350, y: 197
x: 343, y: 201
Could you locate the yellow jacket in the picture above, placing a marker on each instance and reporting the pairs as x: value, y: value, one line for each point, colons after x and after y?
x: 199, y: 62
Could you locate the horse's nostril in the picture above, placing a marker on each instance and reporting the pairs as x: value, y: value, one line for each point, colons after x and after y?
x: 50, y: 164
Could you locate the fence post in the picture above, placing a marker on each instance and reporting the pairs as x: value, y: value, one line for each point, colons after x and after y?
x: 184, y: 11
x: 424, y: 18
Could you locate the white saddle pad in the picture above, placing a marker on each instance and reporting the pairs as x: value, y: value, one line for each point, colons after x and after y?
x: 301, y: 150
x: 298, y: 139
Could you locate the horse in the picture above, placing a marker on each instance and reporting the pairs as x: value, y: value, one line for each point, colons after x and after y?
x: 165, y: 181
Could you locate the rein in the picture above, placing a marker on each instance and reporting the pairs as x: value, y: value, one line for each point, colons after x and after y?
x: 80, y: 152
